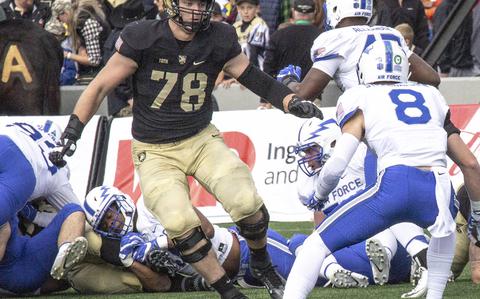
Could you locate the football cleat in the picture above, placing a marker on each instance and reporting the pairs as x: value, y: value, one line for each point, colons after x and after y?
x: 162, y: 261
x: 421, y: 288
x: 270, y: 278
x: 343, y: 278
x: 69, y: 256
x: 379, y: 261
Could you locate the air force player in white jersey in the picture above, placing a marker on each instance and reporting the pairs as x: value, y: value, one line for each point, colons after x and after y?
x: 316, y: 142
x: 403, y: 124
x: 27, y: 172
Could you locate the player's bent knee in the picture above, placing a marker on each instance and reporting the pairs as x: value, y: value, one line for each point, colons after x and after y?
x: 243, y: 204
x: 194, y: 247
x: 178, y: 224
x: 255, y: 229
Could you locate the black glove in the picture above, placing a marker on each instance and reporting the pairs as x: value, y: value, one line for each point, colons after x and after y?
x: 68, y: 144
x: 303, y: 108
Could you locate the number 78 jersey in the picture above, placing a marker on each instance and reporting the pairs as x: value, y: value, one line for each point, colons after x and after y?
x: 403, y: 122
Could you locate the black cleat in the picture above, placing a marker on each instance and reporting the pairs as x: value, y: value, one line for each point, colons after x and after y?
x: 270, y: 278
x: 162, y: 261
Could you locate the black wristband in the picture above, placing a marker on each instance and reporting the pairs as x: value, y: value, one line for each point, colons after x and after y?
x: 74, y: 128
x: 264, y: 86
x: 289, y: 79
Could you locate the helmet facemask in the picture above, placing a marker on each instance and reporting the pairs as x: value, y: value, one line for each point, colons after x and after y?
x: 313, y: 157
x: 109, y: 211
x: 200, y: 18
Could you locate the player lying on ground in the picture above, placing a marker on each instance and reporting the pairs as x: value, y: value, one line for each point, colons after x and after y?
x: 411, y: 150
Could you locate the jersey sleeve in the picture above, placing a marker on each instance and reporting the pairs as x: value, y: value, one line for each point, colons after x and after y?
x: 230, y: 40
x: 127, y: 44
x: 328, y: 52
x: 348, y: 103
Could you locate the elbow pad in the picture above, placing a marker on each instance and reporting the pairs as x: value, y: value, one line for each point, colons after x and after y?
x: 333, y: 169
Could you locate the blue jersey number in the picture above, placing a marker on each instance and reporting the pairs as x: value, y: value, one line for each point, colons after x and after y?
x: 45, y: 145
x: 418, y: 105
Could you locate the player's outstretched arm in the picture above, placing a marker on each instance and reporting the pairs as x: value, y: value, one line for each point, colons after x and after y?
x: 422, y: 72
x: 117, y: 69
x: 268, y: 88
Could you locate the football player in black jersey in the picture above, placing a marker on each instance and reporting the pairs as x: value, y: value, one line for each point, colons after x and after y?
x: 174, y: 63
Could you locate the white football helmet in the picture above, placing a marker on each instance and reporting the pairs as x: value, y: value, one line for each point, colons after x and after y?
x: 52, y: 129
x: 338, y: 10
x: 383, y: 60
x: 316, y: 140
x: 120, y: 208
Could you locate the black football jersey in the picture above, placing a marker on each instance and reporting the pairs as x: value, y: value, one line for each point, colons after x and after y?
x: 173, y: 85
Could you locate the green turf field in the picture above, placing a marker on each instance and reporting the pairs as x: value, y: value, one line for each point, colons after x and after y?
x: 461, y: 288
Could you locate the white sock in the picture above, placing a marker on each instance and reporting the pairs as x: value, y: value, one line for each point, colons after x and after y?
x: 388, y: 241
x: 439, y: 259
x: 329, y: 267
x: 305, y: 270
x: 405, y: 233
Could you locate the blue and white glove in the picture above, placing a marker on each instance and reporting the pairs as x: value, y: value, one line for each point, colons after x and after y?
x: 128, y: 244
x: 141, y: 252
x: 473, y: 230
x: 289, y: 74
x: 313, y: 203
x: 28, y: 212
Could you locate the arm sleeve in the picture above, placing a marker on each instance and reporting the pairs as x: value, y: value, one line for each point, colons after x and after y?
x: 327, y: 52
x: 91, y: 35
x: 125, y: 47
x: 331, y: 172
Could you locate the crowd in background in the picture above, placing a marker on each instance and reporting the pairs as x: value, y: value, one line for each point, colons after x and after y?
x: 87, y: 31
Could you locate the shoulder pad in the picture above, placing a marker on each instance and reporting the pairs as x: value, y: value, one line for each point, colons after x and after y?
x: 329, y: 44
x: 348, y: 103
x: 141, y: 35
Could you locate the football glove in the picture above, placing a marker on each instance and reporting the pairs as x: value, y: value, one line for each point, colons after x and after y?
x: 141, y: 252
x: 473, y: 230
x: 303, y: 108
x: 312, y: 203
x: 128, y: 244
x: 289, y: 74
x: 68, y: 141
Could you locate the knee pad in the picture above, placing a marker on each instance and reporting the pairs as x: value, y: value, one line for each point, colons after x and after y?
x: 190, y: 242
x: 255, y: 231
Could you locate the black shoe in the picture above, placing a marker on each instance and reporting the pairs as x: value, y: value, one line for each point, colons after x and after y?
x: 270, y: 278
x: 162, y: 261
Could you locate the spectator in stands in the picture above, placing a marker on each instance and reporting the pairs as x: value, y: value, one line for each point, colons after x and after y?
x: 69, y: 69
x: 32, y: 10
x: 411, y: 12
x: 120, y: 100
x: 319, y: 18
x: 271, y: 13
x: 88, y: 26
x: 380, y: 14
x: 252, y: 31
x: 430, y: 8
x: 217, y: 13
x: 280, y: 52
x: 475, y: 49
x: 456, y: 60
x: 408, y: 34
x: 3, y: 17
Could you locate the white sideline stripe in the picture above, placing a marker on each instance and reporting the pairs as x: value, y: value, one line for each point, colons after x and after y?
x: 327, y: 222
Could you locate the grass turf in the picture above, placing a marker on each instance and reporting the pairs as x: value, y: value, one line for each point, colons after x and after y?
x: 461, y: 288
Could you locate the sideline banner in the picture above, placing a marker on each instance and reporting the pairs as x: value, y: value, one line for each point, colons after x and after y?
x: 264, y: 140
x: 81, y: 161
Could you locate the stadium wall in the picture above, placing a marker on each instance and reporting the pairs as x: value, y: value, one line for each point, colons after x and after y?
x: 455, y: 90
x: 103, y: 156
